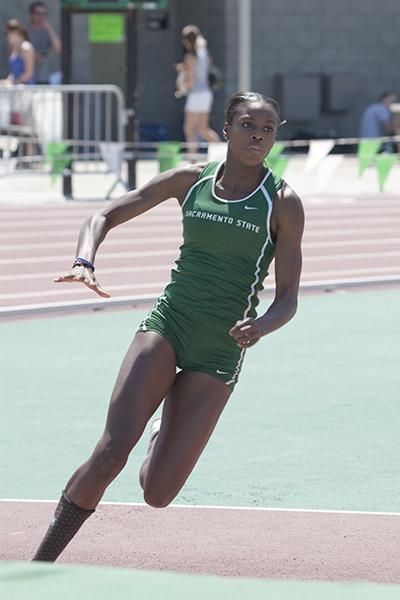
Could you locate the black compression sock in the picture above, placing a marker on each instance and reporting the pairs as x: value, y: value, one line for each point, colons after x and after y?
x: 66, y: 522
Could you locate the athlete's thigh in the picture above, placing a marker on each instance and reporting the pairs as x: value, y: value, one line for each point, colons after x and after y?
x: 146, y: 375
x: 191, y: 120
x: 202, y: 120
x: 190, y: 413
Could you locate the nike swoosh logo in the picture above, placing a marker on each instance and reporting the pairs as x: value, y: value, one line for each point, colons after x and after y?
x: 250, y: 207
x: 222, y: 372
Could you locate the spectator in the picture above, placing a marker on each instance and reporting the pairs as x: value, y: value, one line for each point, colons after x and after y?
x: 199, y: 97
x: 44, y: 40
x: 376, y: 120
x: 22, y: 55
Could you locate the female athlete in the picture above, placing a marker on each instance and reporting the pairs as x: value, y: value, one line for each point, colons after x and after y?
x: 237, y: 216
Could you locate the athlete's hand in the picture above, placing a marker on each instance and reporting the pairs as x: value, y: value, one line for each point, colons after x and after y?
x: 86, y: 276
x: 246, y: 332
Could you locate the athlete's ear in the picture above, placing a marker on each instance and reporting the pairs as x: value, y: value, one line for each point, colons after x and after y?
x: 225, y: 131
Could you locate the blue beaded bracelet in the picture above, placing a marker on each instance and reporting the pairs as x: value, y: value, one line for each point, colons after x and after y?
x: 82, y: 262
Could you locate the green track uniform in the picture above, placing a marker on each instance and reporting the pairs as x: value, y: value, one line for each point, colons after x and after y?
x: 226, y: 251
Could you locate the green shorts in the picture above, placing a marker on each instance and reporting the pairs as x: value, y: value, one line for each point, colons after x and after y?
x: 200, y: 345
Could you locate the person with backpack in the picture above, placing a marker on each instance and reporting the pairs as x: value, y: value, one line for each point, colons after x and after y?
x: 196, y: 67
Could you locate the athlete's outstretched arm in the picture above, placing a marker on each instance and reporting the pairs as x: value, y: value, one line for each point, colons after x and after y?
x: 172, y: 184
x: 288, y: 262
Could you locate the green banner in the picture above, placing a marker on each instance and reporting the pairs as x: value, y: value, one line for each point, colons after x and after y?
x: 274, y: 154
x: 384, y: 164
x: 367, y: 150
x: 106, y: 28
x: 279, y: 166
x: 168, y: 155
x: 54, y: 151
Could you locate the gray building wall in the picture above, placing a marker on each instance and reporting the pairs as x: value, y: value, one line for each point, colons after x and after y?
x: 356, y: 37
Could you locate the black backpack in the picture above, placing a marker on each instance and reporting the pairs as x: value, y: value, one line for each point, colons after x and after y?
x: 215, y: 78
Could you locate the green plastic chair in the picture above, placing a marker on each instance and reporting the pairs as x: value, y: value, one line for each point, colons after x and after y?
x: 168, y: 155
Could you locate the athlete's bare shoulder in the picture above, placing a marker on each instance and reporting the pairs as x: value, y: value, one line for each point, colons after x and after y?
x: 193, y: 170
x: 185, y: 177
x: 287, y: 209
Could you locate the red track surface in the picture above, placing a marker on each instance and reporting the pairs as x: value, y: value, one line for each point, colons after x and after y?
x: 345, y: 238
x: 275, y: 544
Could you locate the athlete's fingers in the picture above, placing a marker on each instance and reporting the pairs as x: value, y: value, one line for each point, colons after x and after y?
x: 251, y: 343
x: 66, y: 278
x: 98, y: 289
x: 248, y: 344
x: 240, y: 325
x: 91, y: 282
x: 247, y: 331
x: 85, y: 276
x: 248, y: 336
x: 78, y: 273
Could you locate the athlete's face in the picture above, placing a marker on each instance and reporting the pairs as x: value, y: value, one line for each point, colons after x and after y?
x: 252, y: 132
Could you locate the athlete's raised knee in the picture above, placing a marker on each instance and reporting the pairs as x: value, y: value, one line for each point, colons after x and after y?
x: 156, y: 499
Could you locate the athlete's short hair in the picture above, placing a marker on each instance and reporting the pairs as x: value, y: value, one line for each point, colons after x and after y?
x: 236, y: 100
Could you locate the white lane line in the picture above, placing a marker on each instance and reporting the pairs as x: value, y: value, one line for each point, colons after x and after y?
x: 351, y: 256
x: 335, y: 201
x: 157, y: 287
x: 174, y: 253
x: 216, y: 507
x: 138, y: 299
x: 370, y: 271
x: 104, y: 255
x: 159, y: 223
x: 70, y: 235
x: 122, y: 242
x: 146, y: 217
x: 356, y: 213
x: 308, y: 278
x: 64, y: 290
x: 340, y: 243
x: 155, y: 268
x: 176, y: 240
x: 61, y: 222
x: 34, y: 212
x: 95, y: 303
x: 42, y: 211
x: 38, y: 218
x: 375, y: 231
x: 114, y: 270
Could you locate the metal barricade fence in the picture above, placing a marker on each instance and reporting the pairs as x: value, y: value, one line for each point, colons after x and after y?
x: 66, y: 129
x: 42, y: 124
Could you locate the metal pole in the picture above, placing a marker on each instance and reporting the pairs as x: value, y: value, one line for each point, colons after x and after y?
x: 244, y: 45
x: 66, y: 60
x: 132, y: 127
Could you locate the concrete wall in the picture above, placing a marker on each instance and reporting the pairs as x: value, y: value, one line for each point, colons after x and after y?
x: 359, y: 37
